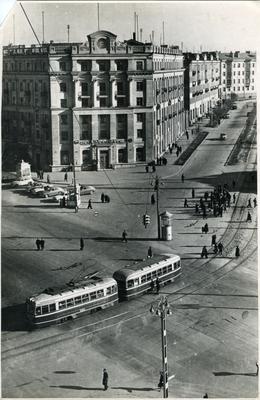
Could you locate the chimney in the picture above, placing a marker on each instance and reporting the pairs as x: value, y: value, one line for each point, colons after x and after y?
x: 134, y: 36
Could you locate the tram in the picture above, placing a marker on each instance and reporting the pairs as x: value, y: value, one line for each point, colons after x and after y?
x: 58, y: 304
x: 134, y: 280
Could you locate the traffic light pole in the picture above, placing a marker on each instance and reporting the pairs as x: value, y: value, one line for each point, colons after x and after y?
x: 164, y: 353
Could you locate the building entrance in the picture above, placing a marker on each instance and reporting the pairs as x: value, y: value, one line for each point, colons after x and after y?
x: 104, y: 159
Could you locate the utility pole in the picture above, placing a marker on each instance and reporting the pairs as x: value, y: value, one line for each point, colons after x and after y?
x: 98, y: 16
x: 68, y: 31
x: 42, y: 26
x: 156, y: 188
x: 13, y: 29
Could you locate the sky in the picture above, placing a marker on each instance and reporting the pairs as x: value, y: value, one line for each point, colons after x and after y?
x: 214, y: 25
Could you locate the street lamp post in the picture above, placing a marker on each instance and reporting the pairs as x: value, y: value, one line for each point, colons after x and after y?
x: 156, y: 188
x: 74, y: 177
x: 162, y: 309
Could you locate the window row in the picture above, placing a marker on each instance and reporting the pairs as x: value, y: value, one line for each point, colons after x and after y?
x: 153, y: 275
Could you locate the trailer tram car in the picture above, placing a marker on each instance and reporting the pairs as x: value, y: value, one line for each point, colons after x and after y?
x: 56, y: 305
x: 136, y: 279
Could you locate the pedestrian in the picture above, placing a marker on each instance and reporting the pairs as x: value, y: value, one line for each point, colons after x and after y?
x: 152, y: 285
x: 160, y: 161
x: 107, y: 199
x: 249, y: 205
x: 220, y: 248
x: 205, y: 396
x: 206, y: 195
x: 196, y: 208
x: 81, y: 243
x: 180, y: 148
x: 221, y: 211
x: 170, y: 149
x: 89, y: 204
x: 193, y: 193
x: 213, y: 240
x: 233, y: 183
x: 186, y: 203
x: 182, y: 178
x: 204, y: 252
x: 177, y: 152
x: 146, y: 168
x: 257, y: 369
x: 152, y: 199
x: 215, y: 248
x: 105, y: 379
x: 38, y: 244
x: 255, y: 202
x: 187, y: 135
x: 204, y: 213
x: 249, y: 218
x: 66, y: 177
x: 206, y: 228
x: 102, y: 197
x: 160, y: 384
x: 154, y: 168
x: 150, y: 252
x: 234, y: 197
x: 42, y: 243
x: 157, y: 285
x: 124, y: 236
x: 237, y: 251
x: 48, y: 178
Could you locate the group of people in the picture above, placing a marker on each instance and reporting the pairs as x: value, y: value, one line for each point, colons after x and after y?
x: 216, y: 201
x: 105, y: 198
x: 40, y: 244
x: 40, y: 174
x: 155, y: 284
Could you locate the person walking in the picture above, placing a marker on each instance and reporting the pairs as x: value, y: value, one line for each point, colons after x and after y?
x: 197, y: 208
x: 249, y: 218
x: 193, y: 193
x: 42, y: 243
x: 237, y: 251
x: 154, y: 168
x: 213, y: 240
x: 146, y: 168
x: 255, y: 202
x: 157, y: 285
x: 215, y: 248
x: 205, y: 396
x: 249, y: 205
x: 102, y: 197
x: 150, y: 252
x: 204, y: 213
x: 48, y: 179
x: 89, y: 204
x: 66, y: 177
x: 206, y: 228
x: 38, y: 244
x: 257, y: 369
x: 81, y: 244
x: 105, y: 379
x: 124, y: 236
x: 152, y: 285
x: 160, y: 384
x: 186, y: 203
x: 220, y: 248
x: 182, y: 178
x: 234, y: 197
x: 152, y: 199
x: 204, y: 252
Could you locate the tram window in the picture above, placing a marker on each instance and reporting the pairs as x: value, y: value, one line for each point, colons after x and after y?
x: 52, y: 307
x: 100, y: 293
x: 45, y: 309
x: 175, y: 265
x: 114, y: 289
x: 169, y: 268
x: 62, y: 304
x: 38, y: 310
x: 149, y: 276
x: 179, y: 263
x: 136, y: 281
x: 70, y: 302
x: 78, y: 300
x: 93, y: 296
x: 85, y: 297
x: 154, y: 274
x: 143, y: 279
x: 164, y: 270
x: 159, y: 272
x: 130, y: 283
x: 109, y: 290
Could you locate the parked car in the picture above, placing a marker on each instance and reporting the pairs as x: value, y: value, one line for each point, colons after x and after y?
x: 38, y: 189
x: 21, y: 183
x: 225, y: 116
x: 84, y: 189
x: 223, y: 136
x: 54, y: 191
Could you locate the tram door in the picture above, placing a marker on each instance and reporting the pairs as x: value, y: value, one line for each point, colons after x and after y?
x: 104, y: 159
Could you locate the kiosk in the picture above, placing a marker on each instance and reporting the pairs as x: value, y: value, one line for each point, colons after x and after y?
x: 166, y: 225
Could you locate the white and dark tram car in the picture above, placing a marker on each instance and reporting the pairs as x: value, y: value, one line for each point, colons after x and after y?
x: 58, y: 304
x: 134, y: 280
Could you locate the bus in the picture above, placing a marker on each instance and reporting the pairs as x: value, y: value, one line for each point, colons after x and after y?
x: 58, y: 304
x: 134, y: 280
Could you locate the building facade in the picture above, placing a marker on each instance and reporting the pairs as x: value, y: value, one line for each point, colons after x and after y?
x: 238, y: 74
x: 201, y: 82
x: 98, y: 104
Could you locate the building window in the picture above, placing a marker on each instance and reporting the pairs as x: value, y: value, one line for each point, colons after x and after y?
x: 234, y: 73
x: 86, y: 66
x: 37, y: 134
x: 102, y: 88
x: 224, y: 73
x: 85, y: 103
x: 87, y: 156
x: 64, y: 136
x: 140, y: 133
x: 122, y: 156
x: 103, y: 102
x: 62, y: 66
x: 238, y: 65
x: 84, y: 88
x: 234, y: 81
x: 234, y: 89
x: 140, y: 154
x: 139, y: 117
x: 64, y: 119
x: 253, y: 72
x: 234, y: 65
x: 224, y: 81
x: 120, y: 88
x: 238, y: 88
x: 238, y: 73
x: 139, y: 101
x: 139, y: 86
x: 64, y: 157
x: 63, y: 87
x: 139, y: 65
x: 253, y: 88
x: 36, y: 86
x: 63, y: 103
x: 121, y: 134
x: 121, y: 65
x: 238, y: 81
x: 85, y: 135
x: 104, y: 65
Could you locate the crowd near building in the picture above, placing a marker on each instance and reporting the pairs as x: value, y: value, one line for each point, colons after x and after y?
x: 106, y: 104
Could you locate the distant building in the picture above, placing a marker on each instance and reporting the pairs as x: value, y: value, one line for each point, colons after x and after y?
x: 201, y: 83
x: 98, y: 104
x: 238, y: 74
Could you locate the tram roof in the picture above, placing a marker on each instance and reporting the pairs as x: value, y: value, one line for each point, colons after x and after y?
x: 73, y: 288
x: 143, y: 266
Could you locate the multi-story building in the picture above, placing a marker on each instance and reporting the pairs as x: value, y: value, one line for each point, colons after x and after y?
x: 201, y: 83
x: 238, y: 74
x: 99, y: 104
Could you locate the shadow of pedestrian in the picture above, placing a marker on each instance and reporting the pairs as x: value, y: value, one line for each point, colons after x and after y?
x: 72, y: 387
x: 131, y: 389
